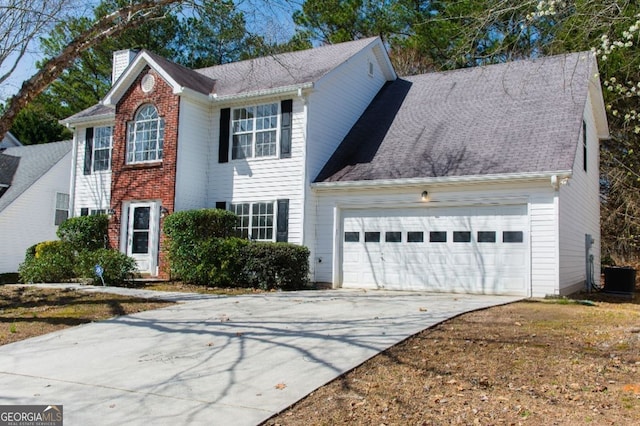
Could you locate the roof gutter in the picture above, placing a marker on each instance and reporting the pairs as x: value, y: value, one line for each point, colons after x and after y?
x: 553, y: 177
x: 294, y: 89
x: 89, y: 119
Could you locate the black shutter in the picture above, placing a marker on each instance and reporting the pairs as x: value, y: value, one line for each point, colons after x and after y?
x: 286, y: 107
x: 222, y: 205
x: 84, y: 211
x: 88, y: 150
x: 282, y: 225
x: 223, y: 147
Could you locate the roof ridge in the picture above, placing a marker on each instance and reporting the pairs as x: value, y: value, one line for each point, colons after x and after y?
x: 292, y: 52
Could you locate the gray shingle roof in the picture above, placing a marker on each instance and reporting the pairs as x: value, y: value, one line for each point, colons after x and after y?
x: 253, y: 75
x: 516, y: 117
x: 35, y: 161
x: 282, y: 70
x: 8, y: 167
x: 92, y: 112
x: 184, y: 76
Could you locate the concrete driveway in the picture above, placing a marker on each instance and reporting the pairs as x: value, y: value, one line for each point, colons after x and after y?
x: 215, y: 360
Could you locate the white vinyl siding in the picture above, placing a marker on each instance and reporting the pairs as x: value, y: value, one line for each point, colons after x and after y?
x: 335, y: 105
x: 194, y: 153
x: 29, y: 219
x: 579, y: 213
x: 91, y: 191
x: 240, y: 181
x: 540, y: 234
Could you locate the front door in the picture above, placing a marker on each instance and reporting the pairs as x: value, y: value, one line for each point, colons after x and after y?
x: 141, y: 236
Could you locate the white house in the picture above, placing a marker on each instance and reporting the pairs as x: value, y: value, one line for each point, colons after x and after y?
x: 34, y: 197
x: 9, y: 141
x: 482, y: 180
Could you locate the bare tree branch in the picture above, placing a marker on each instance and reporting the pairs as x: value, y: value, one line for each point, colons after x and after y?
x: 110, y: 25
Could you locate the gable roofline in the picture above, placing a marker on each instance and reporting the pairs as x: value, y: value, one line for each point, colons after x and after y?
x: 180, y: 78
x: 35, y: 162
x: 273, y: 75
x: 93, y: 115
x: 597, y: 101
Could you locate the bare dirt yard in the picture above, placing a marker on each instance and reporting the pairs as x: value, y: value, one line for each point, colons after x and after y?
x: 546, y: 362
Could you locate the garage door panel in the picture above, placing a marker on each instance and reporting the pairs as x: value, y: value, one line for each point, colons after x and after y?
x: 414, y: 249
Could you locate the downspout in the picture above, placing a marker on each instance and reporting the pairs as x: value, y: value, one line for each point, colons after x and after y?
x: 305, y: 184
x: 72, y: 185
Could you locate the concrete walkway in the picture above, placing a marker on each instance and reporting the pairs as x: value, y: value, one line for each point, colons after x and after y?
x: 215, y: 360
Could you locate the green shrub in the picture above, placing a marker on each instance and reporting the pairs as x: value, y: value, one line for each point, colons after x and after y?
x: 118, y: 267
x: 190, y: 226
x: 212, y: 262
x: 53, y: 261
x: 30, y: 253
x: 275, y: 266
x: 85, y: 232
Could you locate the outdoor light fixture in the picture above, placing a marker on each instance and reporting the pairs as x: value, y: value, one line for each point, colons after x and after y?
x: 425, y: 195
x: 111, y: 213
x: 163, y: 211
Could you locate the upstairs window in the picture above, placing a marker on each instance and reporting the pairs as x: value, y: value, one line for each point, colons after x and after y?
x: 102, y: 142
x: 254, y: 131
x: 145, y: 136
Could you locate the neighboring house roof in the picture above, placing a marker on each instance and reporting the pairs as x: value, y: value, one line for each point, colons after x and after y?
x: 517, y: 117
x: 8, y: 167
x: 35, y: 161
x: 245, y: 78
x: 8, y: 141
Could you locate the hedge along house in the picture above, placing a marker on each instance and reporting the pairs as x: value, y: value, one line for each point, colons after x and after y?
x: 482, y: 180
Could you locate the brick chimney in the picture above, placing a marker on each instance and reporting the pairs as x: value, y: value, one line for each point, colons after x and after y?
x: 121, y: 60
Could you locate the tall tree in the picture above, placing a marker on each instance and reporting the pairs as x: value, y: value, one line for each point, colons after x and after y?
x: 21, y: 21
x: 213, y: 35
x: 129, y: 14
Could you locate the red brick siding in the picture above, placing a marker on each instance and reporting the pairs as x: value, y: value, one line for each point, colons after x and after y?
x: 147, y: 181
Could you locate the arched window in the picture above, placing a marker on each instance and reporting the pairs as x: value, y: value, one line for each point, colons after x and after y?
x: 145, y: 136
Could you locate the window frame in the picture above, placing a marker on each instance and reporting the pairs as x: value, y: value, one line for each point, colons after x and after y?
x: 57, y: 209
x: 254, y: 131
x: 250, y: 222
x: 133, y: 131
x: 95, y: 150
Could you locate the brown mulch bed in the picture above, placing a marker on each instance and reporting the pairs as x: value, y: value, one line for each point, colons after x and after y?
x: 534, y: 362
x: 29, y: 311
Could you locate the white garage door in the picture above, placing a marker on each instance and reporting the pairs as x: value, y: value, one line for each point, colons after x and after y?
x: 471, y: 249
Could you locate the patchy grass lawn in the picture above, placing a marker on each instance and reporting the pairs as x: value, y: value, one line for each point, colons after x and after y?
x: 534, y: 362
x: 28, y: 311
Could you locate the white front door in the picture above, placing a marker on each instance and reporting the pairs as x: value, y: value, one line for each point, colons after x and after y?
x: 142, y: 236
